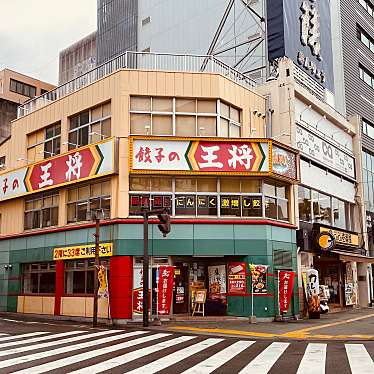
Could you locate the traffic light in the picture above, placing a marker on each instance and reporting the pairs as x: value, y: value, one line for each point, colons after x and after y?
x: 164, y: 225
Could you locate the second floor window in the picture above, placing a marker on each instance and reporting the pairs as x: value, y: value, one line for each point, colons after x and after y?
x: 90, y: 126
x: 85, y: 201
x: 52, y: 143
x: 41, y: 211
x: 367, y: 76
x: 22, y: 88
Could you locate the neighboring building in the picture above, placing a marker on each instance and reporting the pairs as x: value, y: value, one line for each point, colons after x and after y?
x: 147, y: 138
x: 77, y: 59
x: 15, y: 89
x: 357, y: 20
x: 231, y: 30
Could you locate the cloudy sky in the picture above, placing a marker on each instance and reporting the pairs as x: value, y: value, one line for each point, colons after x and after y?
x: 33, y: 32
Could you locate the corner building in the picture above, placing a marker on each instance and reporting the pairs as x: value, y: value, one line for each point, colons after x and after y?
x: 191, y: 142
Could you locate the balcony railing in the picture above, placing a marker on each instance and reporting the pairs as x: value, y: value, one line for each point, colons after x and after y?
x: 139, y: 60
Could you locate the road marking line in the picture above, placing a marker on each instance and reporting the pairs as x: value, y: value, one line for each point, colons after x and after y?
x: 131, y: 356
x: 14, y: 337
x: 5, y: 346
x: 84, y: 356
x: 359, y: 359
x: 223, y: 331
x: 216, y: 361
x: 322, y: 326
x: 175, y: 357
x: 266, y: 359
x: 58, y: 350
x: 3, y: 334
x: 314, y: 359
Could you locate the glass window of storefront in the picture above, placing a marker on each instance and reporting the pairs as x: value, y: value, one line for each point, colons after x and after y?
x: 183, y: 117
x: 41, y: 211
x: 88, y: 198
x: 317, y: 207
x: 79, y: 276
x: 222, y: 197
x: 38, y: 278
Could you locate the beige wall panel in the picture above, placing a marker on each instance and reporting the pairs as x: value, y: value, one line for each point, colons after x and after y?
x: 20, y: 304
x: 33, y: 304
x: 142, y: 83
x: 169, y: 84
x: 179, y: 85
x: 133, y: 82
x: 62, y: 211
x: 188, y: 85
x: 102, y: 307
x: 160, y: 84
x: 152, y: 84
x: 196, y: 85
x: 73, y: 306
x: 48, y: 305
x: 206, y: 86
x: 12, y: 216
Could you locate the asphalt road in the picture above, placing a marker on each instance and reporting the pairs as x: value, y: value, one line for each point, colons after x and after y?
x: 61, y: 347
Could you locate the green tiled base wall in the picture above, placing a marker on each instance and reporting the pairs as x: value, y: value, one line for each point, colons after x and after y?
x: 255, y: 244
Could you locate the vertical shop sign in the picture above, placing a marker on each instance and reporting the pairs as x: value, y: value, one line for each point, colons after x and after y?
x: 237, y: 283
x: 286, y: 281
x: 313, y: 291
x: 137, y: 293
x: 217, y: 282
x: 350, y: 286
x: 259, y: 279
x: 165, y: 289
x: 103, y: 282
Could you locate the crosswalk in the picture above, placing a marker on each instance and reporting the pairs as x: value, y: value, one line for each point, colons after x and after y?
x: 141, y: 351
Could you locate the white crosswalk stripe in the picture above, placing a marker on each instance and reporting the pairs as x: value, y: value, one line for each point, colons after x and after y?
x: 175, y: 357
x: 314, y: 359
x: 359, y: 359
x: 140, y: 351
x: 128, y: 357
x: 220, y: 358
x: 22, y: 336
x: 84, y: 356
x: 266, y: 359
x: 69, y: 348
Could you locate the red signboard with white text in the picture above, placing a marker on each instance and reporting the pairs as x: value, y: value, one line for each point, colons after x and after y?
x: 237, y: 283
x: 165, y: 289
x: 286, y: 281
x: 77, y: 165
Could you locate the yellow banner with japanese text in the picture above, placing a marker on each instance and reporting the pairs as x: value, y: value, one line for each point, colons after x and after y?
x: 342, y: 237
x: 82, y: 251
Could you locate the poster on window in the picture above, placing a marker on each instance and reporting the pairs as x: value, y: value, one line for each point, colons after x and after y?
x: 217, y: 282
x: 259, y: 278
x: 103, y: 282
x: 286, y: 281
x: 165, y: 289
x: 350, y: 284
x: 312, y: 287
x: 237, y: 283
x: 137, y: 293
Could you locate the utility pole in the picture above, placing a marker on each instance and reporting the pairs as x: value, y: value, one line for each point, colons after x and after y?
x: 96, y: 270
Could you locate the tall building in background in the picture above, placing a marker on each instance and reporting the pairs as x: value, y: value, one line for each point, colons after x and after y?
x: 15, y: 89
x: 357, y: 19
x: 77, y: 59
x: 231, y: 30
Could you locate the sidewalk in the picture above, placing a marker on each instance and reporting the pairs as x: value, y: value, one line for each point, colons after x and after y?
x: 355, y: 324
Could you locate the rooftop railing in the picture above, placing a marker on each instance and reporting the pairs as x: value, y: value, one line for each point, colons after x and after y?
x: 139, y: 60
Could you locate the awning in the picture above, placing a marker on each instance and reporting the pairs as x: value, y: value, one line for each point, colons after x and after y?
x: 346, y: 256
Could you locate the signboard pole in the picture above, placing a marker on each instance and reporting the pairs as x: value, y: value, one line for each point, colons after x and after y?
x: 145, y: 270
x: 96, y: 270
x: 279, y: 313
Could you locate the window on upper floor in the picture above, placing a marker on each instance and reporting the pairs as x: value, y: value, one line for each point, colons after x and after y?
x: 365, y: 38
x: 52, y: 142
x: 368, y: 6
x: 366, y: 76
x: 368, y: 128
x: 41, y: 210
x: 89, y: 199
x: 22, y: 88
x: 39, y: 278
x: 43, y: 91
x: 318, y: 207
x: 161, y: 116
x: 368, y: 179
x: 90, y: 126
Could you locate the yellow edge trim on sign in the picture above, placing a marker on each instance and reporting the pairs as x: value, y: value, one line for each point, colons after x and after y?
x: 191, y: 156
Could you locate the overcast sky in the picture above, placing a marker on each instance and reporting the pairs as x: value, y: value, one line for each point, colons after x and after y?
x: 33, y: 32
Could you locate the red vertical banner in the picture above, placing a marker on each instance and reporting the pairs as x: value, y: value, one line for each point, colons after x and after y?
x: 286, y: 281
x: 165, y: 289
x: 237, y: 282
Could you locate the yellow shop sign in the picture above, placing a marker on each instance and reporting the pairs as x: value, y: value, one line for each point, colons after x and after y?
x: 342, y: 237
x: 82, y: 251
